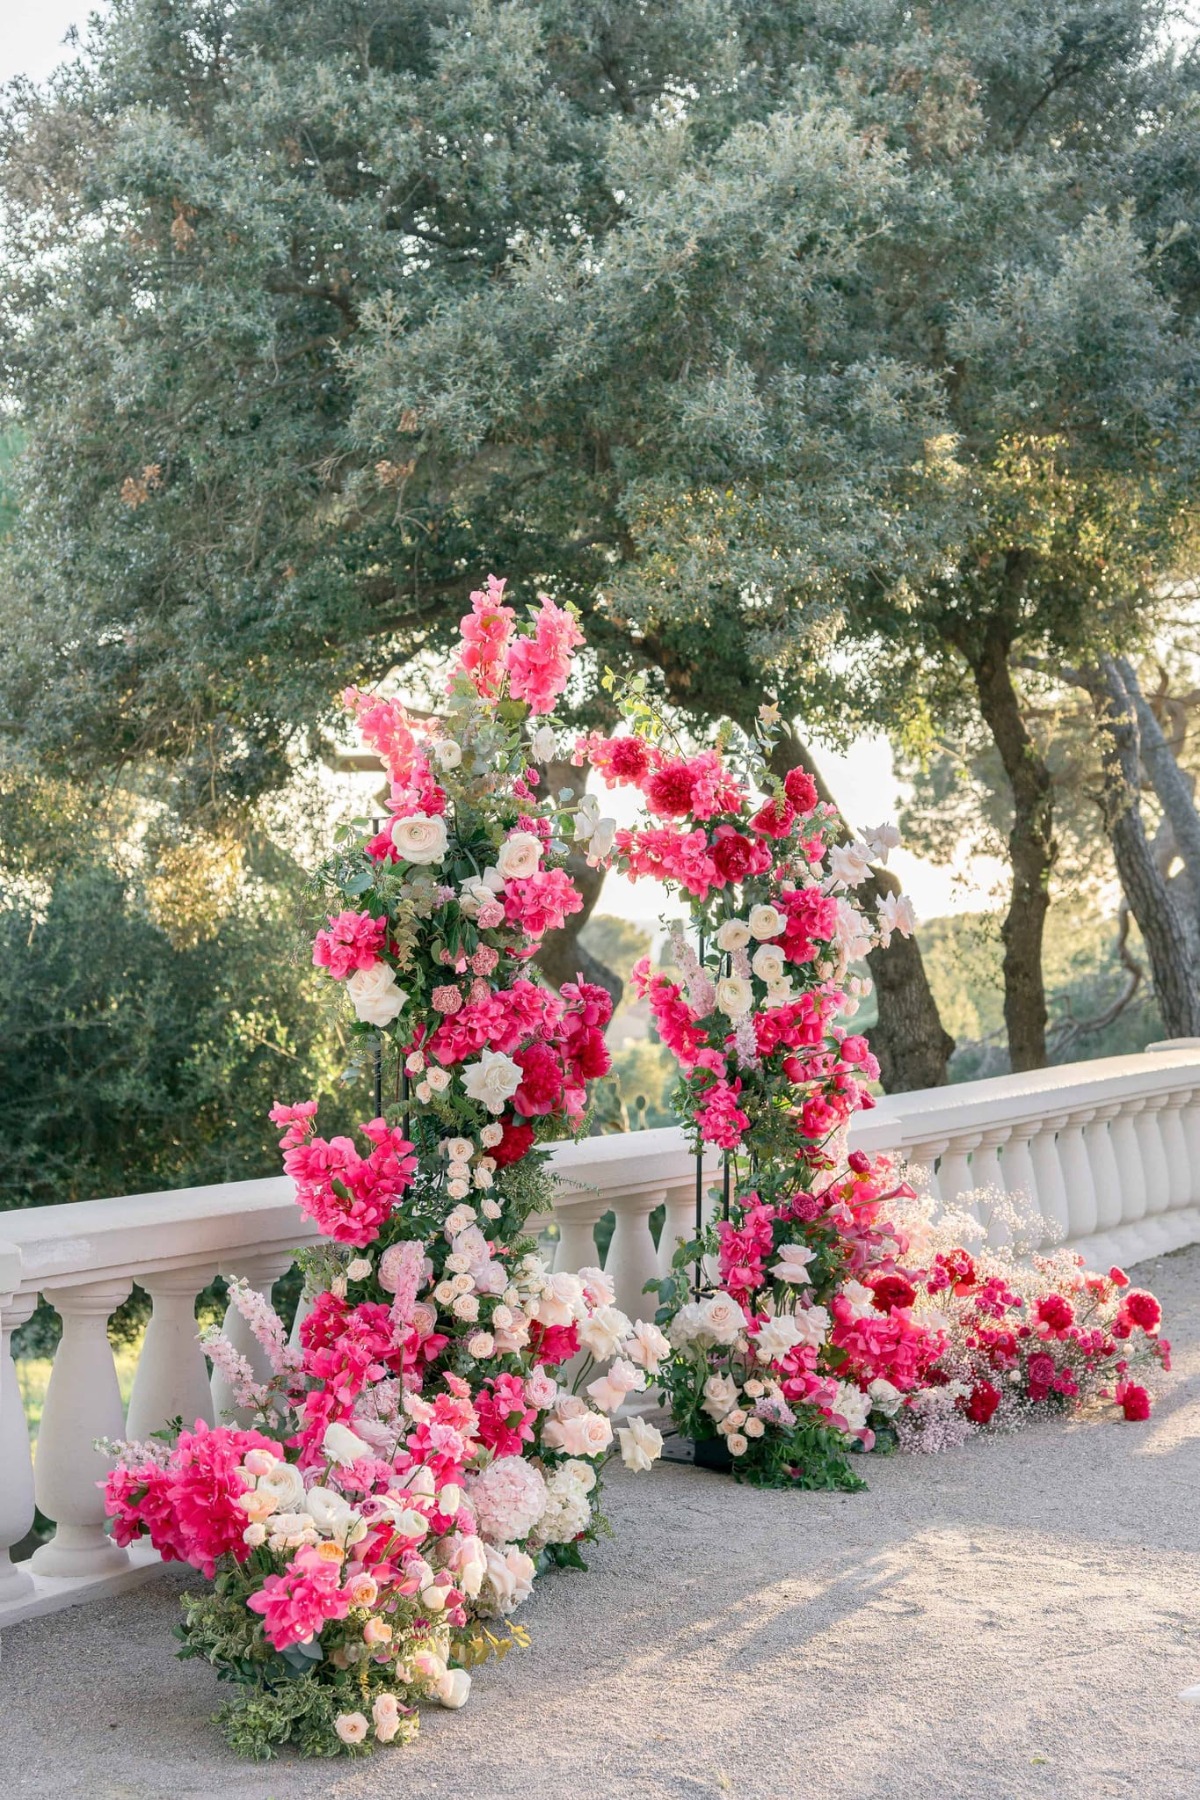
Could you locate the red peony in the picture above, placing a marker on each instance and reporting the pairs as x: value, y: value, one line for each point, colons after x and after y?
x: 628, y: 758
x: 1055, y: 1311
x: 982, y: 1402
x: 800, y: 789
x: 516, y: 1143
x: 541, y: 1081
x: 774, y: 819
x: 1141, y: 1308
x: 1134, y: 1401
x: 669, y: 791
x: 732, y: 853
x: 891, y: 1291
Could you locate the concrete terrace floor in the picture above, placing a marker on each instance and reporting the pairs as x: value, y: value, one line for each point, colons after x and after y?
x: 1012, y: 1619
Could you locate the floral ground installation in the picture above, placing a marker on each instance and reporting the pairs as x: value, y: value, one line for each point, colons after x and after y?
x: 436, y: 1436
x: 834, y: 1310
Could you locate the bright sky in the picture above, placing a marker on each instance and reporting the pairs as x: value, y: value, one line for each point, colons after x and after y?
x: 863, y: 781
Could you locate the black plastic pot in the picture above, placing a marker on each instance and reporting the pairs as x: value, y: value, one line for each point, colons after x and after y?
x: 712, y: 1453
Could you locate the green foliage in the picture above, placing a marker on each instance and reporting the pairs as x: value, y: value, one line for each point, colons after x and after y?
x: 129, y: 1063
x: 1084, y: 979
x: 618, y: 943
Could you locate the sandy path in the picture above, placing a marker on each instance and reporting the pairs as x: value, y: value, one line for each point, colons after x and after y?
x: 1011, y: 1619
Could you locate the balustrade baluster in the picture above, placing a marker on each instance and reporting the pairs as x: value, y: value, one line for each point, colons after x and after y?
x: 1077, y: 1175
x: 1106, y: 1176
x: 83, y: 1403
x: 1020, y: 1178
x: 955, y: 1177
x: 987, y: 1177
x: 577, y: 1233
x: 1049, y: 1183
x: 262, y: 1270
x: 922, y: 1160
x: 632, y: 1259
x: 1191, y: 1138
x: 679, y: 1222
x: 1175, y: 1147
x: 172, y: 1377
x: 1154, y: 1156
x: 1131, y: 1170
x: 16, y: 1464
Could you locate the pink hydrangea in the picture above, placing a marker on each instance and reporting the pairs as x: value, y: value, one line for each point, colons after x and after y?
x: 539, y: 665
x: 296, y: 1605
x: 508, y: 1499
x: 354, y: 941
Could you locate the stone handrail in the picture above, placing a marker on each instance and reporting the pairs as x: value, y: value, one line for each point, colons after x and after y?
x: 1109, y: 1151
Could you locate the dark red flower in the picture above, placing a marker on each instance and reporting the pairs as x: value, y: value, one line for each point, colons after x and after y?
x: 982, y: 1402
x: 628, y: 758
x: 516, y: 1143
x: 732, y: 853
x: 1056, y: 1311
x: 774, y: 819
x: 669, y: 790
x: 800, y: 789
x: 892, y: 1290
x: 1141, y: 1308
x: 553, y: 1344
x: 1135, y: 1401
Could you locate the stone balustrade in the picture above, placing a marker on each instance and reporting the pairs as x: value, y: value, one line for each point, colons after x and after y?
x: 1108, y: 1151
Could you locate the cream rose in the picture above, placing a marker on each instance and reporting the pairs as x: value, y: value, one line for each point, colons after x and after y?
x: 734, y: 996
x: 520, y: 856
x: 768, y: 964
x: 420, y: 838
x: 375, y: 994
x: 641, y: 1444
x: 285, y: 1481
x: 588, y: 1435
x: 447, y: 754
x: 733, y: 935
x: 721, y: 1318
x: 766, y: 922
x: 351, y: 1727
x: 493, y: 1080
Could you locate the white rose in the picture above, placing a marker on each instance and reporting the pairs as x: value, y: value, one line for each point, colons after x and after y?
x: 720, y: 1396
x: 343, y: 1446
x: 812, y: 1325
x: 604, y: 1332
x: 588, y: 1435
x: 641, y: 1445
x: 453, y: 1688
x: 472, y: 894
x: 793, y: 1264
x: 587, y: 817
x: 849, y: 864
x: 447, y: 754
x: 493, y: 1080
x: 885, y: 1396
x: 560, y: 1300
x: 544, y: 744
x: 375, y: 995
x: 520, y: 856
x: 458, y: 1149
x: 420, y: 838
x: 721, y: 1318
x: 768, y: 964
x: 329, y: 1511
x: 738, y: 1445
x: 734, y: 996
x: 766, y: 922
x: 491, y: 1136
x: 438, y: 1080
x: 733, y: 935
x: 285, y: 1481
x: 646, y: 1346
x: 776, y: 1338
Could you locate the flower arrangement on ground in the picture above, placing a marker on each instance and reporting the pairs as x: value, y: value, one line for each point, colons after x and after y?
x: 823, y: 1314
x: 436, y: 1435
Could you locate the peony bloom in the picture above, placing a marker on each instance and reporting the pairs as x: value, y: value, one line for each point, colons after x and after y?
x: 375, y: 994
x: 420, y: 838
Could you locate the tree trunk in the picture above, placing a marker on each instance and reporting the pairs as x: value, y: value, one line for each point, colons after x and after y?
x: 1167, y: 780
x: 1031, y: 850
x: 562, y: 957
x: 910, y: 1041
x: 1142, y: 880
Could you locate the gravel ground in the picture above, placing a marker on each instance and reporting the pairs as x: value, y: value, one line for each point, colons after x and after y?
x: 1014, y: 1618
